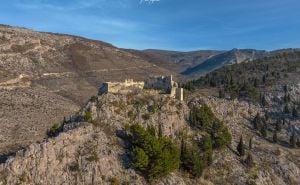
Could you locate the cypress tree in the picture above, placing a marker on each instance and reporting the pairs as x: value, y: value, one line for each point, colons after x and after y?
x: 295, y: 112
x: 249, y: 160
x: 278, y: 126
x: 293, y: 140
x: 257, y: 122
x: 263, y: 130
x: 250, y: 143
x: 241, y: 147
x: 275, y: 136
x: 286, y: 109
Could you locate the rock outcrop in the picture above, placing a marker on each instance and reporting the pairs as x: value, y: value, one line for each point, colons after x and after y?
x: 95, y: 152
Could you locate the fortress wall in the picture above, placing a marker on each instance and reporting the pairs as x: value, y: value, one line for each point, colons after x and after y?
x: 153, y: 85
x: 159, y: 83
x: 121, y: 87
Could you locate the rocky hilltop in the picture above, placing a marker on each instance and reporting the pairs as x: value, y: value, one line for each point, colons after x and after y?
x: 97, y: 152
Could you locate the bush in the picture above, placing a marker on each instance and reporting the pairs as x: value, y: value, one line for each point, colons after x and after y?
x: 54, y: 130
x: 74, y: 167
x: 93, y: 157
x: 87, y: 116
x: 146, y: 116
x: 114, y: 181
x: 154, y: 156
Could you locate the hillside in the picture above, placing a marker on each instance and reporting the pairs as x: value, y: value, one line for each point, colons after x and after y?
x: 45, y: 77
x: 176, y: 61
x: 234, y: 56
x: 100, y: 152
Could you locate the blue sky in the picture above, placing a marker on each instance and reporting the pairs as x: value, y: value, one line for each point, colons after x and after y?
x: 164, y: 24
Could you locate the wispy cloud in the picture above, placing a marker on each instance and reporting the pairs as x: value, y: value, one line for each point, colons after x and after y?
x: 68, y: 5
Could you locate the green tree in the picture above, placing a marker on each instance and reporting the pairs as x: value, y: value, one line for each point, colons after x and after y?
x: 263, y: 130
x: 249, y: 160
x: 154, y: 156
x: 191, y: 160
x: 286, y: 109
x: 250, y: 143
x: 207, y: 148
x: 141, y: 159
x: 278, y: 126
x: 275, y: 136
x: 241, y: 147
x: 295, y: 112
x: 257, y: 122
x: 293, y: 140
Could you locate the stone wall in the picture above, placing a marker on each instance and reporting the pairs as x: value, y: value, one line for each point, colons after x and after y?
x: 121, y: 87
x: 160, y: 84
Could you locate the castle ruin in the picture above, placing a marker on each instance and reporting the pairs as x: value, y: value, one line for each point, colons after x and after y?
x: 160, y: 84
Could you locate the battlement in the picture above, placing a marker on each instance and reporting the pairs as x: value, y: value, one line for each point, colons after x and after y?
x: 162, y: 84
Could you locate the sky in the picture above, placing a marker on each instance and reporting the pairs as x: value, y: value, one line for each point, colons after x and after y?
x: 183, y: 25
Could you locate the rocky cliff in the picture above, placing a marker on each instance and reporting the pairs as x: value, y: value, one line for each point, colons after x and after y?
x: 95, y: 153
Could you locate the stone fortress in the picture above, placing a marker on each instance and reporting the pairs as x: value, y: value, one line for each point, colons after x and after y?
x: 157, y: 84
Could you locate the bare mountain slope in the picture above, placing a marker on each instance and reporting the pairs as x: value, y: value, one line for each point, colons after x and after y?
x: 234, y: 56
x: 67, y: 63
x: 176, y: 61
x: 44, y: 77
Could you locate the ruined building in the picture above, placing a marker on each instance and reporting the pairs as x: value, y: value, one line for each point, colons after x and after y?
x: 161, y: 84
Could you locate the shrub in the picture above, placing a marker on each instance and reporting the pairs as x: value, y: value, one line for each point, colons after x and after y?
x: 94, y: 99
x: 54, y: 130
x: 93, y: 157
x: 131, y: 115
x: 87, y: 116
x: 114, y: 181
x: 146, y: 116
x: 74, y: 167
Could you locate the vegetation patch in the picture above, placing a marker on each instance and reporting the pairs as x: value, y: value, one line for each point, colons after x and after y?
x: 54, y: 130
x: 204, y: 119
x: 154, y: 156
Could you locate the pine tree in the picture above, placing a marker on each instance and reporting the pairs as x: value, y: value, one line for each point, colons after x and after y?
x: 241, y: 147
x: 293, y: 140
x: 250, y: 143
x: 249, y: 160
x: 267, y: 117
x: 286, y: 109
x: 263, y: 130
x: 275, y: 136
x: 221, y: 93
x: 278, y: 126
x: 257, y: 122
x: 263, y: 100
x: 295, y: 112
